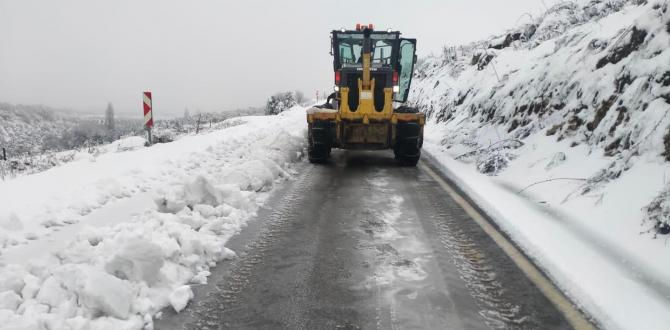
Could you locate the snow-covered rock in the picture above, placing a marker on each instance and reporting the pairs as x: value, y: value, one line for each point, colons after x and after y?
x: 11, y: 321
x: 30, y: 287
x: 127, y: 144
x: 10, y: 222
x: 52, y: 292
x: 11, y: 278
x: 98, y: 291
x: 180, y: 297
x: 9, y: 300
x: 138, y: 260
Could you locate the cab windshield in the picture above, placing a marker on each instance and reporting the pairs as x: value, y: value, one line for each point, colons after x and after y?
x: 350, y: 46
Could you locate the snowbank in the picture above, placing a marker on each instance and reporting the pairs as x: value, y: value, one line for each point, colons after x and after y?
x: 118, y: 273
x: 560, y: 131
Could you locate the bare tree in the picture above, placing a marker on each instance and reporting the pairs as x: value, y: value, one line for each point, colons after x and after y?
x: 299, y: 97
x: 197, y: 126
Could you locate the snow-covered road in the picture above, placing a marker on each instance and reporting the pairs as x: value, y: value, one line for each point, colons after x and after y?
x: 363, y: 243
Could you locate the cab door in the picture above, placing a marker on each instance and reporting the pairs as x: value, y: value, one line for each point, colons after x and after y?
x: 406, y: 60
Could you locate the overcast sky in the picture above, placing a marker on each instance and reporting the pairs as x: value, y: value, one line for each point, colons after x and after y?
x: 207, y: 55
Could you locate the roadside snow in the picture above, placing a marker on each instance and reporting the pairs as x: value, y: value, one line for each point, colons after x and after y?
x: 588, y: 246
x: 106, y: 242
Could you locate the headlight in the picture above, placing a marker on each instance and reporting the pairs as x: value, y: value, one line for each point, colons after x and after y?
x: 336, y: 88
x: 396, y: 89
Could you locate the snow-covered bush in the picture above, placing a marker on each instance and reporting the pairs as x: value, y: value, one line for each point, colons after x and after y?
x: 658, y: 212
x: 279, y: 102
x: 556, y: 160
x: 493, y: 163
x: 163, y: 135
x: 494, y: 158
x: 29, y: 164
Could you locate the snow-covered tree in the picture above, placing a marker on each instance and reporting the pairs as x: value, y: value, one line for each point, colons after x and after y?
x: 279, y: 102
x: 109, y: 117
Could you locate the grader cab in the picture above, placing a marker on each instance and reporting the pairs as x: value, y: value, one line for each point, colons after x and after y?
x: 372, y: 76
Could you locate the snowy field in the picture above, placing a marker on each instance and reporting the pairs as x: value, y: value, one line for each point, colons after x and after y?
x: 105, y: 242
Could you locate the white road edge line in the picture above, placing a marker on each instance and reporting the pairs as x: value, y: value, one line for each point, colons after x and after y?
x: 562, y: 303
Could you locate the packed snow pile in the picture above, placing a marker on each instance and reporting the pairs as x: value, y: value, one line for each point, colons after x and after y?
x: 560, y: 129
x: 114, y: 270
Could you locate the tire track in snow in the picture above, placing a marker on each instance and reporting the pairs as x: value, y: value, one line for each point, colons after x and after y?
x: 474, y: 266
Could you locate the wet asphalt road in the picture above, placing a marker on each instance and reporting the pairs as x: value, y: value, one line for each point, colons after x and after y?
x: 362, y: 243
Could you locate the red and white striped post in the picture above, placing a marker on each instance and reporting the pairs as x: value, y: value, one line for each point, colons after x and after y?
x: 148, y: 114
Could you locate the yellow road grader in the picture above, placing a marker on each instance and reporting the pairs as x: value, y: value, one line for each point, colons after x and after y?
x: 372, y: 71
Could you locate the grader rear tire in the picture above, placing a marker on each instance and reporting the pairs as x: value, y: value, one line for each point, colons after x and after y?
x: 408, y: 146
x: 318, y: 144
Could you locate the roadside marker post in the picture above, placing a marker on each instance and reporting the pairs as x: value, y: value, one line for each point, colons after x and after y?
x: 148, y: 115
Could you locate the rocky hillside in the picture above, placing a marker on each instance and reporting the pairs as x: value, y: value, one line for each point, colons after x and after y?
x: 594, y: 75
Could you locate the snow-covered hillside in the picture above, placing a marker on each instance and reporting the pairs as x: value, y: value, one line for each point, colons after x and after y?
x: 560, y: 129
x: 25, y: 129
x: 37, y: 138
x: 143, y: 221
